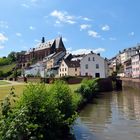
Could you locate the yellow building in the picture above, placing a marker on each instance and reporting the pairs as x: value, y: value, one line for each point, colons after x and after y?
x: 69, y: 68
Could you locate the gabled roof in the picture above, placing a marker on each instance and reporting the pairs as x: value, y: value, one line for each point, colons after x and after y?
x: 94, y: 54
x: 72, y: 64
x: 48, y: 44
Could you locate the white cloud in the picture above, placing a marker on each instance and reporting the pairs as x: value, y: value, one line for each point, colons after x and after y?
x: 99, y: 50
x: 86, y: 19
x: 2, y: 47
x: 25, y: 5
x: 84, y: 26
x: 32, y: 28
x: 112, y: 38
x: 106, y: 28
x: 63, y: 17
x: 131, y: 34
x: 93, y: 34
x: 64, y: 39
x: 3, y: 24
x: 86, y: 51
x: 3, y: 38
x: 18, y: 34
x: 30, y: 3
x: 38, y: 41
x: 69, y: 49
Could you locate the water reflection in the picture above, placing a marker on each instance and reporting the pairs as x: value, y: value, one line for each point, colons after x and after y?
x: 114, y: 116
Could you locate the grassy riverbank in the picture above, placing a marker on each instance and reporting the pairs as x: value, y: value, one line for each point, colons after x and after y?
x: 43, y: 111
x: 4, y: 90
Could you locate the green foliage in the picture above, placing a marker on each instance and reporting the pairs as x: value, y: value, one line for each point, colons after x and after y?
x: 30, y: 75
x: 5, y: 61
x: 12, y: 56
x: 6, y: 70
x: 119, y: 68
x: 40, y: 113
x: 88, y: 88
x: 6, y: 103
x: 1, y: 73
x: 66, y: 78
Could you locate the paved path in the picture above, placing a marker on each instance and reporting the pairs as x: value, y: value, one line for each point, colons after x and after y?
x: 12, y: 83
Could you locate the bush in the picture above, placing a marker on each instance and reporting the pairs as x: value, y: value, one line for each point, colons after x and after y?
x: 88, y: 88
x: 66, y: 78
x: 41, y: 113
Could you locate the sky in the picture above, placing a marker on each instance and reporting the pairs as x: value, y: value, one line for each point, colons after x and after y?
x: 101, y: 26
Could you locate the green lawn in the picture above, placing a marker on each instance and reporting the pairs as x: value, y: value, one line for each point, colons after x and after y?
x: 3, y: 82
x: 19, y: 89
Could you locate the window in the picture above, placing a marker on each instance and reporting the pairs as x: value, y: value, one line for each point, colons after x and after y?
x: 60, y: 75
x: 97, y: 66
x: 65, y: 69
x: 75, y: 69
x: 86, y: 74
x: 60, y: 70
x: 97, y: 74
x: 86, y: 66
x: 93, y: 58
x: 75, y: 74
x: 89, y: 59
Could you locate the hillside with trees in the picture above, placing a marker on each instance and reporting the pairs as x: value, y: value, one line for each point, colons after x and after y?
x: 8, y: 65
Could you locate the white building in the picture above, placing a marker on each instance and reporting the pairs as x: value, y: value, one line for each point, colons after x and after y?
x: 37, y: 69
x: 127, y: 53
x: 94, y: 65
x: 136, y: 65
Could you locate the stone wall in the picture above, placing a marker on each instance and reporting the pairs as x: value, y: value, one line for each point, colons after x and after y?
x: 29, y: 79
x: 129, y: 82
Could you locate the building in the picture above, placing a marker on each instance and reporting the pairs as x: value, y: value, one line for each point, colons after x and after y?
x: 112, y: 63
x: 37, y: 69
x: 127, y: 53
x: 94, y: 65
x: 69, y: 68
x: 128, y: 68
x: 42, y: 50
x: 136, y: 65
x: 53, y: 63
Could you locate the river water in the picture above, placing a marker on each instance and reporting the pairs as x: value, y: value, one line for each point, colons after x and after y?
x: 111, y: 116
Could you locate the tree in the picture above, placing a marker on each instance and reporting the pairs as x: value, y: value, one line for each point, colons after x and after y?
x: 12, y: 56
x: 1, y: 73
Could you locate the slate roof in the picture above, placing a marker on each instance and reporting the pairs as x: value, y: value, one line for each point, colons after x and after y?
x: 47, y: 44
x: 72, y: 64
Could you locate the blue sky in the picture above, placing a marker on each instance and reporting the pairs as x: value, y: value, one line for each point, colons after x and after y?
x: 104, y: 26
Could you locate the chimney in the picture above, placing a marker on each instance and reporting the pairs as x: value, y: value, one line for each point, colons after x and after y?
x: 43, y: 40
x: 91, y: 52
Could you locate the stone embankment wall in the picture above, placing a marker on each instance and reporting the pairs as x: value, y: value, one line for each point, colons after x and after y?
x: 129, y: 82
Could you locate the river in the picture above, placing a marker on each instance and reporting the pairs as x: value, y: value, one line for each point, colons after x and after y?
x: 111, y: 116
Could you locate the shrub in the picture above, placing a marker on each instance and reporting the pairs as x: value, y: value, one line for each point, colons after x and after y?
x: 40, y: 113
x: 88, y: 88
x: 66, y: 78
